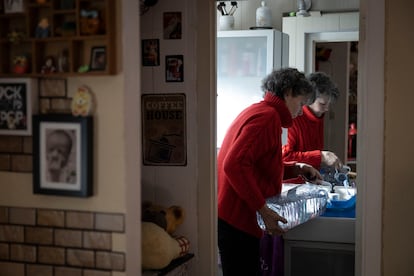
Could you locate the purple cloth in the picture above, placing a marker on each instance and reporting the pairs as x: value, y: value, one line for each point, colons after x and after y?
x: 271, y: 255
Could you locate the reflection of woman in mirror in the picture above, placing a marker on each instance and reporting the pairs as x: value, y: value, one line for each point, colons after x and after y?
x: 58, y: 151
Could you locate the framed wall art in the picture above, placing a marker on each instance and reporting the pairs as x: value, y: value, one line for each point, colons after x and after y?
x: 164, y: 129
x: 172, y: 28
x: 174, y: 68
x: 150, y: 52
x: 62, y: 155
x: 18, y: 101
x: 98, y: 59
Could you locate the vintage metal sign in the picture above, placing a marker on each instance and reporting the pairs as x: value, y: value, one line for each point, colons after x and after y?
x: 164, y: 129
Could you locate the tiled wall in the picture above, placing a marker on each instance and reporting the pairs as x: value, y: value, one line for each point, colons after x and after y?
x: 50, y: 242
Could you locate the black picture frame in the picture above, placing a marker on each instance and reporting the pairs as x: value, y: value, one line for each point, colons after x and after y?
x: 98, y: 59
x: 18, y: 101
x: 150, y: 52
x: 174, y: 68
x: 62, y: 155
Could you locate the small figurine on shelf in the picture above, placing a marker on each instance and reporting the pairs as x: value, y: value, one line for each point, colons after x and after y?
x: 90, y: 22
x: 83, y: 68
x: 13, y: 6
x: 42, y: 29
x: 82, y: 102
x: 49, y: 66
x: 20, y: 64
x: 15, y: 37
x: 63, y: 65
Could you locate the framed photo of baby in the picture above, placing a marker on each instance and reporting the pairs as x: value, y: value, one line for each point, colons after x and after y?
x: 62, y: 155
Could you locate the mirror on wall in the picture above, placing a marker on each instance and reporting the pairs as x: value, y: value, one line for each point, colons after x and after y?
x: 336, y: 54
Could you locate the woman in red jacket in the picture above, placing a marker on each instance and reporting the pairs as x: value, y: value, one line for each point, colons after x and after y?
x: 304, y: 144
x: 250, y: 169
x: 305, y: 141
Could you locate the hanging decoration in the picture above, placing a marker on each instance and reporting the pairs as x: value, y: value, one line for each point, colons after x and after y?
x: 144, y: 5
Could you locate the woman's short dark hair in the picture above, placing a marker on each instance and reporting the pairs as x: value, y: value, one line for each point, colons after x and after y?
x: 280, y: 81
x: 324, y: 85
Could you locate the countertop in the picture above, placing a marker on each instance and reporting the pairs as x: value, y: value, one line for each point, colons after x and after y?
x: 323, y: 229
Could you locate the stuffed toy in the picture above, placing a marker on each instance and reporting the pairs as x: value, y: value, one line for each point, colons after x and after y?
x: 82, y: 102
x: 159, y: 245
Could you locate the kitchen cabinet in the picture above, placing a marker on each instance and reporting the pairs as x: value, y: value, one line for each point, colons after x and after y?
x: 323, y: 246
x: 69, y: 33
x: 244, y: 58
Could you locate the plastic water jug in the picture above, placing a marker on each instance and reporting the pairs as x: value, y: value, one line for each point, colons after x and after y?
x: 297, y: 205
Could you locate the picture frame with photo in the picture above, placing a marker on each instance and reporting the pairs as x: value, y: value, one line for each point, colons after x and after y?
x: 62, y: 155
x: 18, y: 101
x: 174, y: 68
x: 98, y: 59
x: 150, y: 52
x: 172, y: 26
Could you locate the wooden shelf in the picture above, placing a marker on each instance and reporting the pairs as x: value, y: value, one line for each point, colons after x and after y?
x: 72, y: 36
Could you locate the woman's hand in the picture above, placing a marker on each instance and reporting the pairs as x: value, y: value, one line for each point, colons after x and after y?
x: 308, y: 172
x: 271, y: 219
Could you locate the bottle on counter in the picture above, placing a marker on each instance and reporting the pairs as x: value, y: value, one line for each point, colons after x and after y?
x: 352, y: 140
x: 263, y: 16
x: 297, y: 205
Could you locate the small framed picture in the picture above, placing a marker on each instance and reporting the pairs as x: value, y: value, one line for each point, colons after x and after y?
x: 172, y: 25
x: 18, y: 101
x: 13, y: 6
x: 174, y: 68
x: 62, y: 155
x: 98, y: 59
x: 150, y: 52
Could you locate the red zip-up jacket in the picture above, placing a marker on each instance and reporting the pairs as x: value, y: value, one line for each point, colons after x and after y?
x: 249, y: 163
x: 305, y: 139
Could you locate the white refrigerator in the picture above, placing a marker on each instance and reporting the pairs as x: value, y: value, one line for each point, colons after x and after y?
x: 244, y: 58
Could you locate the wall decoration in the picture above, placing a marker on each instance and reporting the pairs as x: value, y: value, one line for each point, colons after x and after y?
x: 49, y: 65
x: 62, y: 155
x: 43, y: 28
x: 164, y: 129
x: 150, y: 52
x: 82, y: 102
x: 174, y: 68
x: 172, y: 25
x: 18, y: 101
x: 98, y: 59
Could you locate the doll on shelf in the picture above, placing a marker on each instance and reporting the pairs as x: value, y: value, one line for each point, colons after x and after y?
x: 49, y: 66
x: 42, y: 29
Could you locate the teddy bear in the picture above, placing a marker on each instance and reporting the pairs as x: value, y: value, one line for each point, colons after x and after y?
x: 159, y: 244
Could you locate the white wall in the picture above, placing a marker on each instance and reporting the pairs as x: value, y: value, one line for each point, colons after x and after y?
x: 190, y: 186
x: 173, y: 185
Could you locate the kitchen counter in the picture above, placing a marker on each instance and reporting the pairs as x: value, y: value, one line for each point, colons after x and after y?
x: 324, y: 229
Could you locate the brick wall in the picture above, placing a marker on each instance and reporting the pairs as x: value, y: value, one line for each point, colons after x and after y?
x: 16, y: 151
x: 51, y: 242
